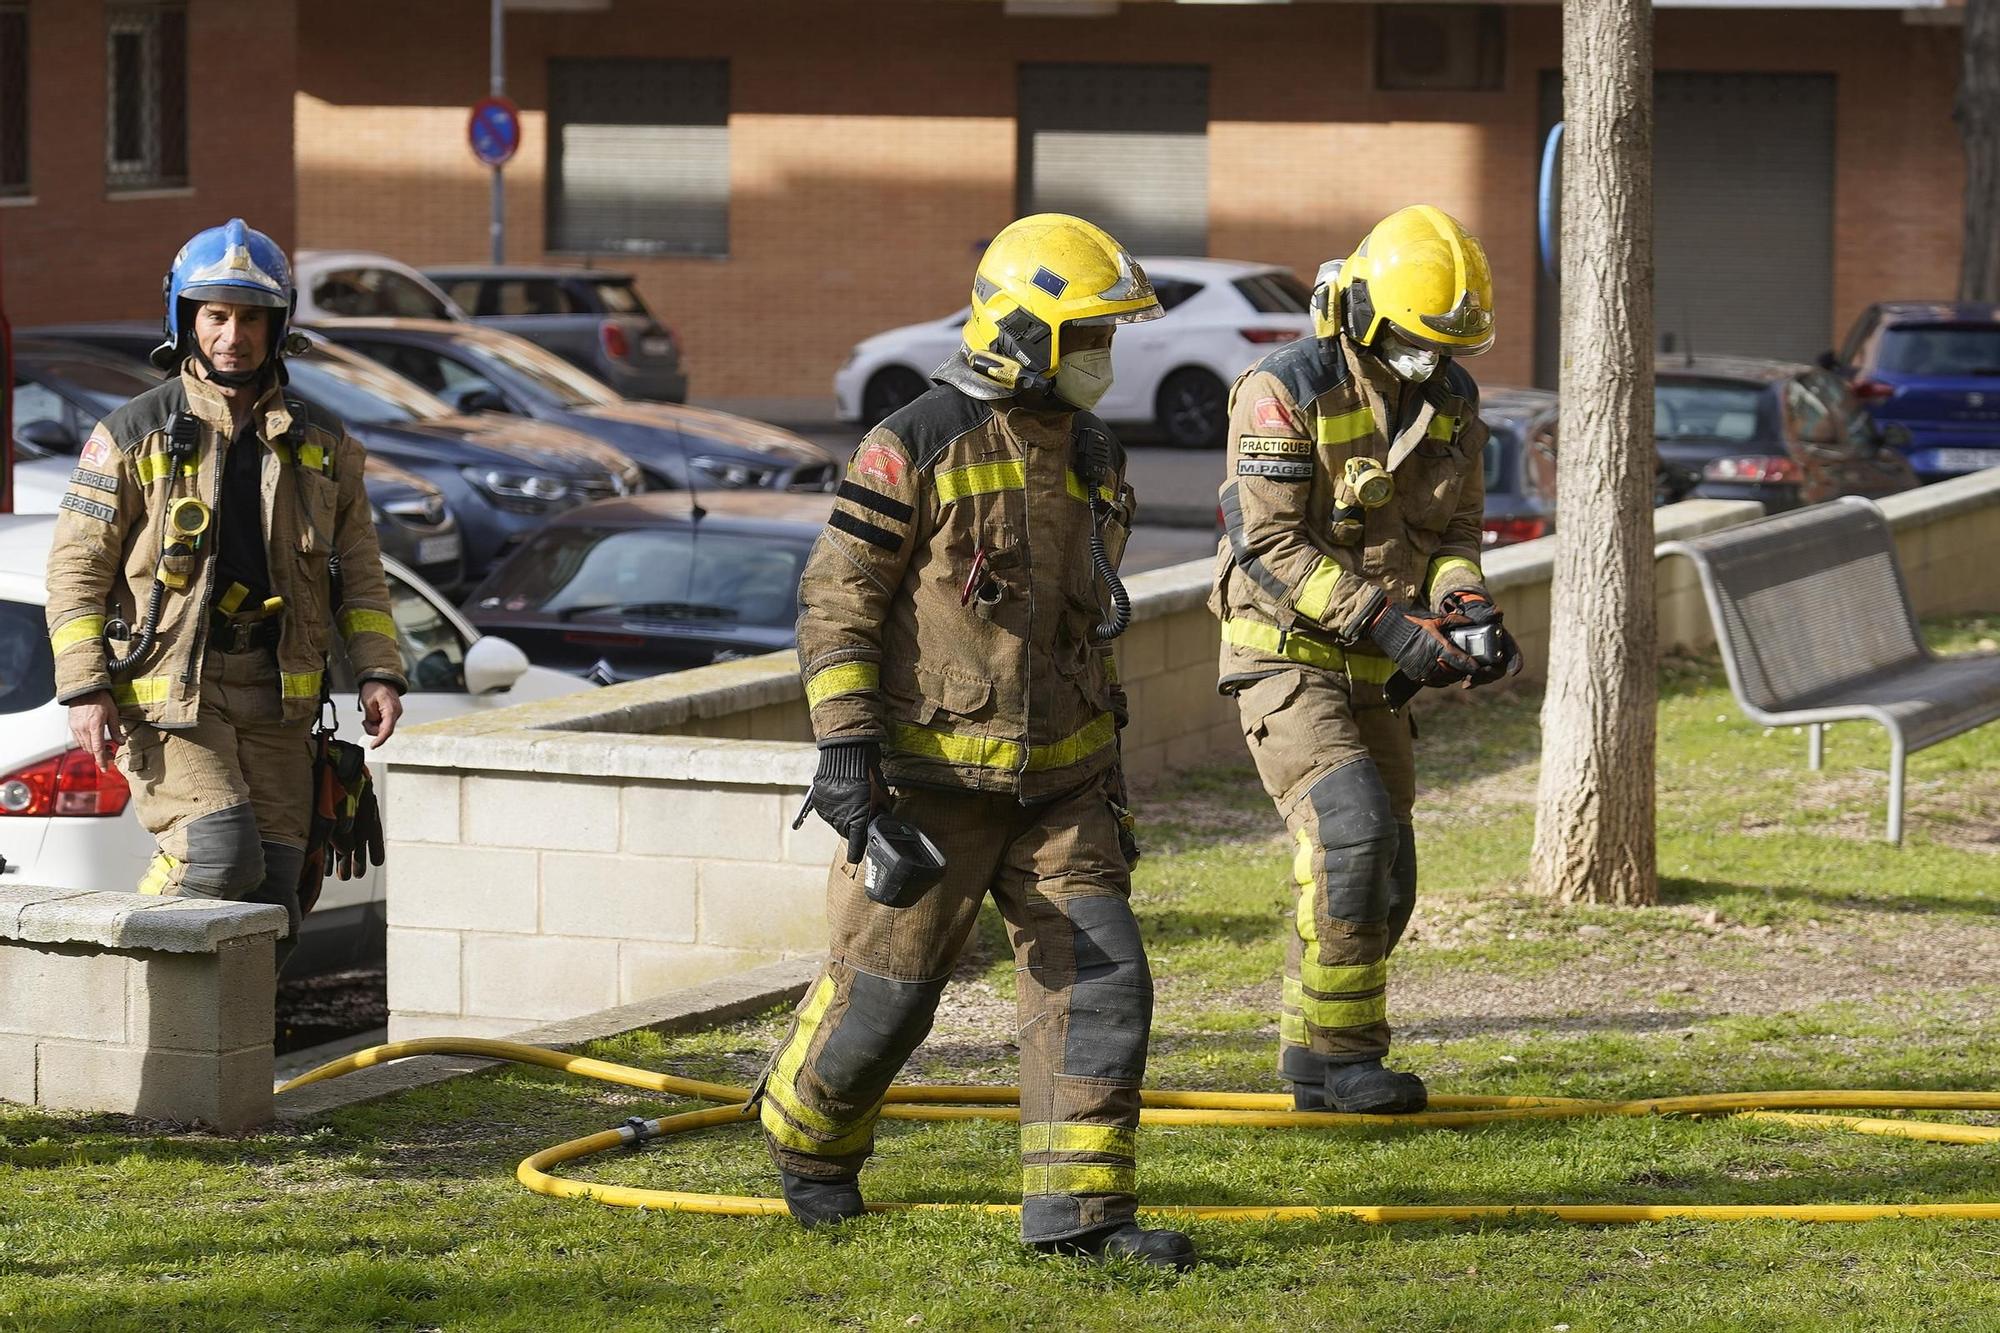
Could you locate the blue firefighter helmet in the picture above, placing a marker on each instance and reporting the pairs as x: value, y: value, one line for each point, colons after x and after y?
x: 234, y: 263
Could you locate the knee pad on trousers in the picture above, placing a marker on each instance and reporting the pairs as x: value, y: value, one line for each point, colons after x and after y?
x: 225, y: 858
x: 884, y: 1021
x: 1402, y: 885
x: 1358, y: 832
x: 1111, y: 1000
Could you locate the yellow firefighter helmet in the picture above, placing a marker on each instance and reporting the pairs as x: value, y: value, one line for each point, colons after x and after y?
x: 1422, y: 274
x: 1040, y: 276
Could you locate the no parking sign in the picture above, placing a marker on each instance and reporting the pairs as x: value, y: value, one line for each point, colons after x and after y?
x: 494, y: 130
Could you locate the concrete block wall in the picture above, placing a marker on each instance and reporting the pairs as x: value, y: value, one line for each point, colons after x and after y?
x: 559, y: 857
x: 158, y: 1007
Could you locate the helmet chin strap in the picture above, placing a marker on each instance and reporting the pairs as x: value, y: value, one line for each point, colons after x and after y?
x: 229, y: 379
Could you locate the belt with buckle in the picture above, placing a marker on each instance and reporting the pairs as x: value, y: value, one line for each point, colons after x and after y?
x: 242, y: 636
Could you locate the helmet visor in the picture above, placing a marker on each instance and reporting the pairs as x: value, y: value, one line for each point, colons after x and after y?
x: 234, y: 293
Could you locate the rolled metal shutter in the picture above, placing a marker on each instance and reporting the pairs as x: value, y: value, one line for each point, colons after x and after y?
x: 1742, y: 216
x: 639, y: 156
x: 1124, y: 146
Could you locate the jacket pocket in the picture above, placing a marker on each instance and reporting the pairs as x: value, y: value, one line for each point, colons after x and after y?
x: 1432, y: 475
x: 951, y: 694
x: 1264, y: 698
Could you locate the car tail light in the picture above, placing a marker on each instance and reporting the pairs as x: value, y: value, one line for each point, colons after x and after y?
x: 66, y: 784
x: 1507, y: 531
x: 1758, y: 467
x: 1267, y: 335
x: 616, y: 345
x: 1873, y: 391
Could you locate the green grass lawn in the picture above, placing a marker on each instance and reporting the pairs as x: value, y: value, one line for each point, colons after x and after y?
x: 1791, y: 950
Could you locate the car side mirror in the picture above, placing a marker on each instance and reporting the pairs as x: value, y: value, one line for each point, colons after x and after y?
x: 482, y: 399
x: 493, y: 664
x: 51, y: 437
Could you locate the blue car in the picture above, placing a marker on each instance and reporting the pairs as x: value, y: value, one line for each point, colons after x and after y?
x: 1928, y: 372
x: 481, y: 369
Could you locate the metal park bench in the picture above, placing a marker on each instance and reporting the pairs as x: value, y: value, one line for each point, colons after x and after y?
x: 1815, y: 626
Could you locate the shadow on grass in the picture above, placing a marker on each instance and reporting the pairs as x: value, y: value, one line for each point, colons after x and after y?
x: 1682, y: 889
x: 1454, y: 1028
x: 1182, y: 926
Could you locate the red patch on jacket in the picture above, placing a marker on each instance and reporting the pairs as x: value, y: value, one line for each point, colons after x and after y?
x: 882, y: 462
x: 96, y: 454
x: 1270, y: 414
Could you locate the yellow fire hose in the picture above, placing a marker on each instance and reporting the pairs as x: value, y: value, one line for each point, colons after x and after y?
x: 1250, y: 1110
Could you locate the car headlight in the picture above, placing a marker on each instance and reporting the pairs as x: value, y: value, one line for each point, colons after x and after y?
x: 524, y: 492
x: 734, y: 472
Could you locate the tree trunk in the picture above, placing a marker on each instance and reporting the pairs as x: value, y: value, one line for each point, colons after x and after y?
x: 1594, y: 815
x: 1979, y: 122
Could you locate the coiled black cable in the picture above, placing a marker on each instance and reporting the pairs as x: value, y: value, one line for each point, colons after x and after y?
x: 117, y: 666
x: 1121, y: 601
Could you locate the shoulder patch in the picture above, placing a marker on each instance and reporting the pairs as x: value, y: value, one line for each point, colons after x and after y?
x: 97, y: 452
x: 97, y: 481
x: 1276, y: 469
x: 1274, y: 446
x: 882, y: 461
x: 1271, y: 414
x: 1305, y: 373
x: 928, y: 425
x: 78, y: 504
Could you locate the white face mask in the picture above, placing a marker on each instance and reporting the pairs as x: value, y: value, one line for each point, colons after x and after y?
x: 1414, y: 364
x: 1084, y: 376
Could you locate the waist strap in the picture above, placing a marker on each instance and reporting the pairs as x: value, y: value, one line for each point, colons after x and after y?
x: 1307, y: 649
x: 241, y: 636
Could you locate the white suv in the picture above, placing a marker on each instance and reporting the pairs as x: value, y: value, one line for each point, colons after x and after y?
x: 336, y: 284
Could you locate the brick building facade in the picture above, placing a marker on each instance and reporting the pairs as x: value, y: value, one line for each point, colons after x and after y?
x: 873, y: 145
x: 103, y: 206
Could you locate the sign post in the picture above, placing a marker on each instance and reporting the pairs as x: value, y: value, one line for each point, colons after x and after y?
x: 495, y: 132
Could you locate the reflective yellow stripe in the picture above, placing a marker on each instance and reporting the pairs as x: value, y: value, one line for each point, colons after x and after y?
x: 1291, y: 1029
x: 782, y: 1089
x: 1068, y: 1178
x: 84, y: 629
x: 1344, y: 1013
x: 1007, y: 475
x: 1441, y: 428
x: 151, y: 467
x: 144, y: 690
x: 310, y: 455
x: 366, y: 622
x: 1067, y: 1136
x: 995, y: 752
x: 1444, y: 564
x: 159, y: 873
x: 847, y: 678
x: 1254, y: 634
x: 1315, y: 595
x: 1293, y: 992
x: 1335, y: 979
x: 1345, y: 427
x: 299, y: 684
x: 1303, y: 877
x: 1076, y: 491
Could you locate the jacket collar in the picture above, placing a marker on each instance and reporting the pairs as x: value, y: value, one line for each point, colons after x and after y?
x: 271, y: 412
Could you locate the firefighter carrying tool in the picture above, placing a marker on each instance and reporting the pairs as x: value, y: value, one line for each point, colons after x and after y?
x: 1347, y: 579
x: 955, y: 645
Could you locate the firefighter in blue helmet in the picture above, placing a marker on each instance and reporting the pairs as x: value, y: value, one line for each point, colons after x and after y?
x: 192, y: 589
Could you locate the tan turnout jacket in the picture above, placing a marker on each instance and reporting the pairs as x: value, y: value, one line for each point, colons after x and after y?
x: 1288, y: 589
x: 109, y: 538
x: 947, y: 608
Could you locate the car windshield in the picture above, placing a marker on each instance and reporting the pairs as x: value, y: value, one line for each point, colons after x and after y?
x: 105, y: 388
x: 1275, y: 293
x: 1971, y: 350
x: 545, y: 372
x: 618, y: 298
x: 355, y: 389
x: 376, y: 292
x: 27, y: 668
x: 1706, y: 410
x: 667, y: 572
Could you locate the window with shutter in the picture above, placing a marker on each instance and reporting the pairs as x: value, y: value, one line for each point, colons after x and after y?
x: 639, y: 156
x: 145, y: 72
x: 13, y: 98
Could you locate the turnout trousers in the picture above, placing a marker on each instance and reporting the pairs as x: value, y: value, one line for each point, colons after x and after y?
x: 1085, y: 992
x: 229, y: 799
x: 1341, y: 769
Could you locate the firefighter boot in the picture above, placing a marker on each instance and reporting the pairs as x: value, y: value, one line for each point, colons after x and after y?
x: 1306, y: 1072
x: 1367, y: 1088
x: 1128, y: 1240
x: 818, y: 1203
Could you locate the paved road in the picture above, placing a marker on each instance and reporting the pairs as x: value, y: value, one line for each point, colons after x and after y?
x: 1175, y: 486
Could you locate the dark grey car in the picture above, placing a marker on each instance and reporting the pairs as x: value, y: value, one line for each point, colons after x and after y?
x: 592, y: 318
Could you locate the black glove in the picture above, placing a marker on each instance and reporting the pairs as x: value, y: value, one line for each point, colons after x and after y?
x: 1413, y: 636
x: 356, y: 837
x: 844, y: 790
x: 1478, y: 609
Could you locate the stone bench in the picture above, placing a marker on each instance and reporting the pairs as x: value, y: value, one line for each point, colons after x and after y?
x: 156, y: 1007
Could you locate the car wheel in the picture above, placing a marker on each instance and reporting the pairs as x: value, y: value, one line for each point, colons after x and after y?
x: 889, y: 390
x: 1192, y: 408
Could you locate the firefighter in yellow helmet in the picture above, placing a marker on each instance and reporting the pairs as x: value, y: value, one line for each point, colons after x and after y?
x: 1348, y: 578
x: 955, y: 640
